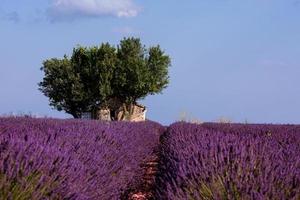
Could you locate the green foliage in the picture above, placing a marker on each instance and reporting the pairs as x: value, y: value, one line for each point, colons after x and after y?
x: 93, y: 76
x: 140, y: 71
x: 27, y: 187
x: 95, y: 67
x: 213, y: 190
x: 63, y: 86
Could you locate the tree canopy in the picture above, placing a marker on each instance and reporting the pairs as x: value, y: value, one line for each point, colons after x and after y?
x: 92, y: 76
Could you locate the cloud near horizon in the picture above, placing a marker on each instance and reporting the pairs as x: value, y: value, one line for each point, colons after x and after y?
x: 68, y: 9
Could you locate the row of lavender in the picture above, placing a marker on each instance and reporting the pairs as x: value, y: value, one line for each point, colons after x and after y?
x: 68, y: 159
x: 229, y: 161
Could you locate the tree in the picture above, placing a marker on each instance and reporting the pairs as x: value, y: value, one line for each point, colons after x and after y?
x: 139, y: 72
x: 95, y: 67
x: 63, y: 87
x: 93, y: 76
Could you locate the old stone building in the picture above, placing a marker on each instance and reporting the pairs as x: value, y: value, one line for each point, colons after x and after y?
x: 136, y: 113
x: 118, y: 111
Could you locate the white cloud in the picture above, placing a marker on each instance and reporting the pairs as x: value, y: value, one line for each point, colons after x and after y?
x: 67, y: 9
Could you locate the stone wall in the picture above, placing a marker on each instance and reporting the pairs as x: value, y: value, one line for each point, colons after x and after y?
x: 118, y: 112
x: 134, y: 113
x: 86, y: 115
x: 103, y: 115
x: 139, y: 113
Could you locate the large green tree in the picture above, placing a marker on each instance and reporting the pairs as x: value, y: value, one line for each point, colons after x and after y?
x: 96, y: 66
x: 63, y: 87
x: 93, y: 76
x: 140, y: 72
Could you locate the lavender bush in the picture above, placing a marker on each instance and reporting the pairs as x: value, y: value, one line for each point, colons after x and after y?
x: 68, y: 159
x: 223, y: 161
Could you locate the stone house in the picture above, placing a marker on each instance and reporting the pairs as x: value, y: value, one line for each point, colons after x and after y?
x: 117, y: 111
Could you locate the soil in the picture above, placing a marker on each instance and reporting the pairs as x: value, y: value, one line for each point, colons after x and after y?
x: 145, y: 190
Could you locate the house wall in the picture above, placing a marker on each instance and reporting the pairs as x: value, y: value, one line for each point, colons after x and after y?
x: 104, y: 114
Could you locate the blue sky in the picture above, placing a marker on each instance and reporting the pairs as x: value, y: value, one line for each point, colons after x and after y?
x: 230, y: 58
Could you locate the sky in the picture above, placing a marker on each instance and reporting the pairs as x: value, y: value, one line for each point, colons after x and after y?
x: 231, y: 59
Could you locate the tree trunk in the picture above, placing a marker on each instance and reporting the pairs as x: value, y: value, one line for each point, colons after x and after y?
x: 76, y: 115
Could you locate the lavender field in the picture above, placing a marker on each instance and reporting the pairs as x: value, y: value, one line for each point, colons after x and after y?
x: 68, y: 159
x: 230, y: 161
x: 77, y: 159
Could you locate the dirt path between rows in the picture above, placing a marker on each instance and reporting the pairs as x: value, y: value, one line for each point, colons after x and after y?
x: 145, y: 190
